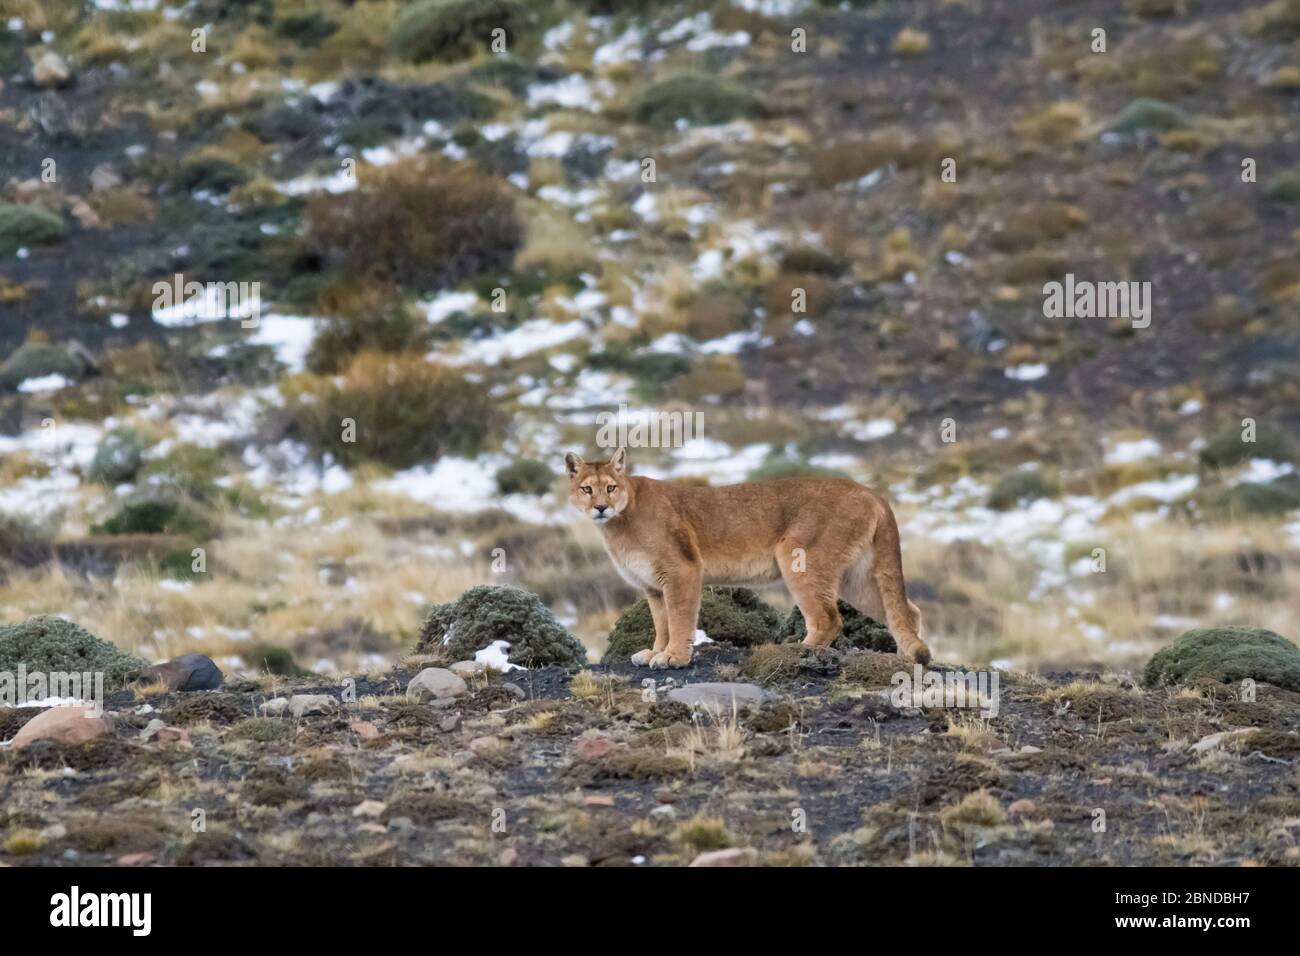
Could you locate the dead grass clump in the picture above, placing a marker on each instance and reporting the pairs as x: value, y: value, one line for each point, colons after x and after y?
x: 977, y: 809
x: 396, y: 409
x: 423, y: 224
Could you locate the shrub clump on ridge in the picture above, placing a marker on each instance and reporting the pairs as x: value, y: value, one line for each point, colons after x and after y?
x: 730, y: 615
x: 1227, y: 655
x: 48, y: 644
x: 488, y: 613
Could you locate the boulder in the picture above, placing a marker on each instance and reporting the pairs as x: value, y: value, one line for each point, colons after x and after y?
x: 50, y: 70
x: 66, y: 725
x: 188, y: 672
x: 435, y: 683
x: 735, y: 856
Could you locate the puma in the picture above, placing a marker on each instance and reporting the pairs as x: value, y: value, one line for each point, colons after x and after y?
x: 824, y: 537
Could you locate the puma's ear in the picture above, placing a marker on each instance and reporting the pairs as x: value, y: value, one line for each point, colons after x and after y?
x: 572, y: 462
x: 619, y: 461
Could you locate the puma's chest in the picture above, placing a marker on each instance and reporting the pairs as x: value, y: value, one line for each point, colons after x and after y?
x: 634, y: 566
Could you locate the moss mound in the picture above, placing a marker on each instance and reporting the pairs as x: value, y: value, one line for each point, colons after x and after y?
x: 860, y: 632
x: 1228, y: 655
x: 36, y: 360
x: 453, y: 29
x: 1148, y: 114
x: 698, y: 98
x: 730, y: 615
x: 52, y: 644
x: 1226, y: 448
x: 526, y: 477
x: 1021, y: 487
x: 488, y: 613
x: 22, y: 226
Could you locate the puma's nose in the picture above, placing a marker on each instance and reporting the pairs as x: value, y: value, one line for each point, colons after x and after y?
x: 600, y: 509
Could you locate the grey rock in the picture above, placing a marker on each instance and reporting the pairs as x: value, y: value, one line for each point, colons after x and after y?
x: 736, y: 856
x: 721, y: 697
x: 276, y: 707
x: 449, y: 723
x: 304, y: 705
x: 187, y: 673
x: 435, y: 683
x: 468, y: 668
x: 516, y: 690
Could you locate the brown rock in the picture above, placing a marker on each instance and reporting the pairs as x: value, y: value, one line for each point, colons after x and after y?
x: 1022, y: 806
x: 68, y: 725
x: 593, y: 748
x: 364, y: 729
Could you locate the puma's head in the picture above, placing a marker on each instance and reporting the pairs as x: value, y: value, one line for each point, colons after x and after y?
x: 598, y: 488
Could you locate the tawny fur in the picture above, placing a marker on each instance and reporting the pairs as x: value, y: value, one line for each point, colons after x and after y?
x: 826, y: 538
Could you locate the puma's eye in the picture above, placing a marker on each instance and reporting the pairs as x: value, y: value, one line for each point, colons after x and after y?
x: 610, y: 489
x: 586, y: 489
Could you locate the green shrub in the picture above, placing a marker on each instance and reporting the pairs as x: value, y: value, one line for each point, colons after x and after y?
x: 1227, y: 655
x: 118, y: 458
x: 262, y: 730
x: 211, y: 173
x: 270, y: 659
x: 38, y: 359
x: 22, y: 226
x: 731, y: 615
x: 425, y: 224
x: 698, y: 98
x: 49, y: 644
x: 487, y: 613
x: 406, y: 411
x: 526, y: 477
x: 860, y: 632
x: 1285, y: 186
x: 1022, y: 487
x: 1148, y: 114
x: 1257, y: 498
x: 364, y: 321
x: 453, y: 29
x: 1227, y: 448
x: 149, y: 514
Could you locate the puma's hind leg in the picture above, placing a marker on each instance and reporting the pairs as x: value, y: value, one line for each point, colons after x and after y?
x: 817, y: 598
x: 874, y: 585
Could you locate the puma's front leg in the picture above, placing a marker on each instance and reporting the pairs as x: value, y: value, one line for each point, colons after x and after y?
x: 682, y: 600
x: 659, y: 612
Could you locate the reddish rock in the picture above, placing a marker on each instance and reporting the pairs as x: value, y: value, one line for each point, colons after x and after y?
x: 67, y: 725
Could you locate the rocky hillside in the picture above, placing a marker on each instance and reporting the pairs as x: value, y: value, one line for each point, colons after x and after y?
x: 302, y: 302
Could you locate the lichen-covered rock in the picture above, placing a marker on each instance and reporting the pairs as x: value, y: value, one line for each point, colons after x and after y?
x: 1227, y: 655
x: 488, y: 613
x: 50, y: 644
x: 731, y: 615
x: 860, y: 632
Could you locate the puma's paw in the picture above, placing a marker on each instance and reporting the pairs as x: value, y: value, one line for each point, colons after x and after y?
x: 669, y: 659
x: 642, y: 658
x: 917, y: 651
x: 816, y: 646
